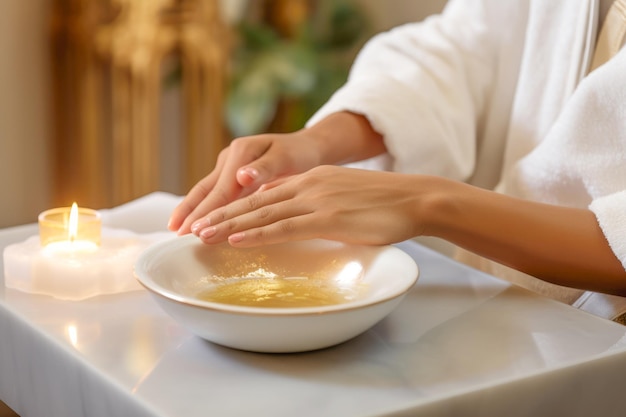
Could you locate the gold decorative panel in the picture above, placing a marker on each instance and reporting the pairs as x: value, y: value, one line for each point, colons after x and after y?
x: 108, y: 58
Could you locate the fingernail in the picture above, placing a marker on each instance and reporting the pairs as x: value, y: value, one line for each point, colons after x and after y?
x: 251, y: 172
x: 236, y: 237
x: 208, y: 232
x: 200, y: 224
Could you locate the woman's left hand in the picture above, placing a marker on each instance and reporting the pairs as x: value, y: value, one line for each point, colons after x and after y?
x: 330, y: 202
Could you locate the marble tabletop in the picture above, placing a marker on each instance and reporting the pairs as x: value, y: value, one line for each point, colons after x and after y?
x: 462, y: 343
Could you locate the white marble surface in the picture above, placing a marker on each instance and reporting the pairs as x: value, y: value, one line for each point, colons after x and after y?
x: 461, y: 343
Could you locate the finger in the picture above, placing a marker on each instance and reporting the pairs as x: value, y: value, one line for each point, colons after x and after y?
x: 247, y: 176
x: 225, y: 191
x: 289, y: 229
x: 268, y: 163
x: 253, y: 210
x: 191, y: 200
x: 195, y: 196
x: 273, y: 184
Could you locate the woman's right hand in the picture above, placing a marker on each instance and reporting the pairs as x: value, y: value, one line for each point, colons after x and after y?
x: 241, y: 169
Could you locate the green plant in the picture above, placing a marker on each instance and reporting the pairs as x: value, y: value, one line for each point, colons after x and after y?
x: 303, y: 70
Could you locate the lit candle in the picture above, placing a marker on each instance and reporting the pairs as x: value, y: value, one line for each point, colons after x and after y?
x: 70, y: 263
x: 70, y: 231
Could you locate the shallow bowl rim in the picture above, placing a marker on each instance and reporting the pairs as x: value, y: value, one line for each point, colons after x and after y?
x: 156, y: 289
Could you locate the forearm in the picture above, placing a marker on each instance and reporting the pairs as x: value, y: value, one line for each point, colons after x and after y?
x: 557, y: 244
x: 345, y: 137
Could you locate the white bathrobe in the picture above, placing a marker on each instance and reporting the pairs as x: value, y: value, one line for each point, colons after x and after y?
x: 496, y: 93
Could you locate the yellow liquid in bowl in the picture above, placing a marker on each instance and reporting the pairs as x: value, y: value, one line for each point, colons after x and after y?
x: 282, y: 292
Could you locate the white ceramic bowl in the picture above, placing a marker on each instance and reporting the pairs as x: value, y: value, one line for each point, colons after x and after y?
x: 177, y: 271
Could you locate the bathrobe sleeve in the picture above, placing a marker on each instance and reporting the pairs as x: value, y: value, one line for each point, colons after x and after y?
x: 582, y: 160
x: 423, y: 86
x: 610, y: 211
x: 603, y: 156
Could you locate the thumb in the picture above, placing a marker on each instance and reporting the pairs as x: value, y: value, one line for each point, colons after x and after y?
x: 248, y: 176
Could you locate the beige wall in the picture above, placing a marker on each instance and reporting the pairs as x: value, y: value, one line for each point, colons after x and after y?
x: 24, y: 122
x: 25, y: 164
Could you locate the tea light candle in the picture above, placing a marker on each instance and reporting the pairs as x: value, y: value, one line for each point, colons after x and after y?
x: 70, y: 231
x: 73, y: 257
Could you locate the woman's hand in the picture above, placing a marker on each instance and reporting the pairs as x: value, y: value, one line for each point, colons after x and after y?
x: 241, y: 169
x: 330, y: 202
x: 252, y: 161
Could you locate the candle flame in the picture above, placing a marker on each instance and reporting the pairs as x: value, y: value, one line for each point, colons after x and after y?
x: 73, y: 225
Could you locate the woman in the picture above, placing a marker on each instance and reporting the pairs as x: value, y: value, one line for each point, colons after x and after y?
x: 484, y: 127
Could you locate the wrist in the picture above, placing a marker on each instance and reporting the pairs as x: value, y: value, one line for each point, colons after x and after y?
x: 434, y: 205
x: 344, y: 137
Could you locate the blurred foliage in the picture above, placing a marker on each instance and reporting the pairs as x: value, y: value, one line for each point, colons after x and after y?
x: 302, y: 70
